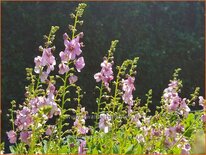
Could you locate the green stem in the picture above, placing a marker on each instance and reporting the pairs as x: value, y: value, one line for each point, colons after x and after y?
x: 64, y: 92
x: 99, y: 103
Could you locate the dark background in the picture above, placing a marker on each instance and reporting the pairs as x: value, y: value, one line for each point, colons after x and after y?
x: 165, y: 35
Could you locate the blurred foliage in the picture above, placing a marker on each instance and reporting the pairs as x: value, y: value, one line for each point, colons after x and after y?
x: 165, y: 35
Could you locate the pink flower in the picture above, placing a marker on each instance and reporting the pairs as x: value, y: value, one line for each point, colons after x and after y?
x: 170, y: 132
x: 64, y: 56
x: 43, y: 76
x: 106, y: 68
x: 186, y: 149
x: 128, y: 85
x: 54, y: 108
x: 73, y: 79
x: 24, y: 118
x: 106, y: 74
x: 128, y: 88
x: 98, y: 77
x: 37, y: 61
x: 179, y: 128
x: 72, y: 48
x: 47, y: 57
x: 49, y: 131
x: 80, y: 64
x: 25, y: 136
x: 201, y: 101
x: 50, y: 91
x: 204, y: 118
x: 47, y: 60
x: 136, y: 119
x: 105, y: 122
x: 81, y: 129
x: 184, y: 109
x: 12, y: 136
x: 128, y: 98
x: 63, y: 68
x: 173, y: 84
x: 82, y: 149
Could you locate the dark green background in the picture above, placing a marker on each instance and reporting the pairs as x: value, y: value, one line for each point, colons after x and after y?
x: 165, y: 35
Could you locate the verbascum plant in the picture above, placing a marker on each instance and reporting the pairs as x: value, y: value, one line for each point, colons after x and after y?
x: 123, y: 124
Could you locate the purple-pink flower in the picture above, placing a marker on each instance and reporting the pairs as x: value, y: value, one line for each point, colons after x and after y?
x: 12, y: 136
x: 186, y: 149
x: 25, y: 136
x: 72, y: 48
x: 63, y: 68
x: 49, y: 130
x: 128, y: 88
x: 105, y: 122
x: 80, y: 64
x: 79, y: 124
x: 106, y: 73
x: 64, y: 56
x: 203, y: 118
x: 82, y: 149
x: 47, y: 59
x: 23, y: 118
x: 73, y: 79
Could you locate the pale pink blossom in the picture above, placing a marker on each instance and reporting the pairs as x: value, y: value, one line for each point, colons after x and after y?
x: 82, y: 147
x: 12, y: 136
x: 201, y: 101
x: 63, y: 68
x: 23, y: 118
x: 203, y: 118
x: 73, y: 79
x: 49, y: 131
x: 64, y: 56
x: 128, y: 88
x: 170, y: 132
x: 79, y: 124
x: 43, y: 76
x: 106, y: 73
x: 54, y: 108
x: 184, y: 109
x: 98, y: 77
x: 25, y: 136
x: 37, y: 61
x: 128, y: 84
x: 80, y: 64
x: 105, y: 122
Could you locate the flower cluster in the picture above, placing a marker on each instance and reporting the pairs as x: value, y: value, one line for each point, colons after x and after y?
x: 174, y: 101
x: 44, y: 64
x: 106, y: 73
x: 79, y: 123
x: 72, y: 50
x: 128, y: 88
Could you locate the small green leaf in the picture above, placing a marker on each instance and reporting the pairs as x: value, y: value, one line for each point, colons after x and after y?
x: 116, y: 149
x: 129, y: 150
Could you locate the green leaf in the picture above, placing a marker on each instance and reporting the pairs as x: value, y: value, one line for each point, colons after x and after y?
x: 95, y: 151
x: 64, y: 149
x: 129, y: 150
x: 116, y: 149
x: 12, y: 149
